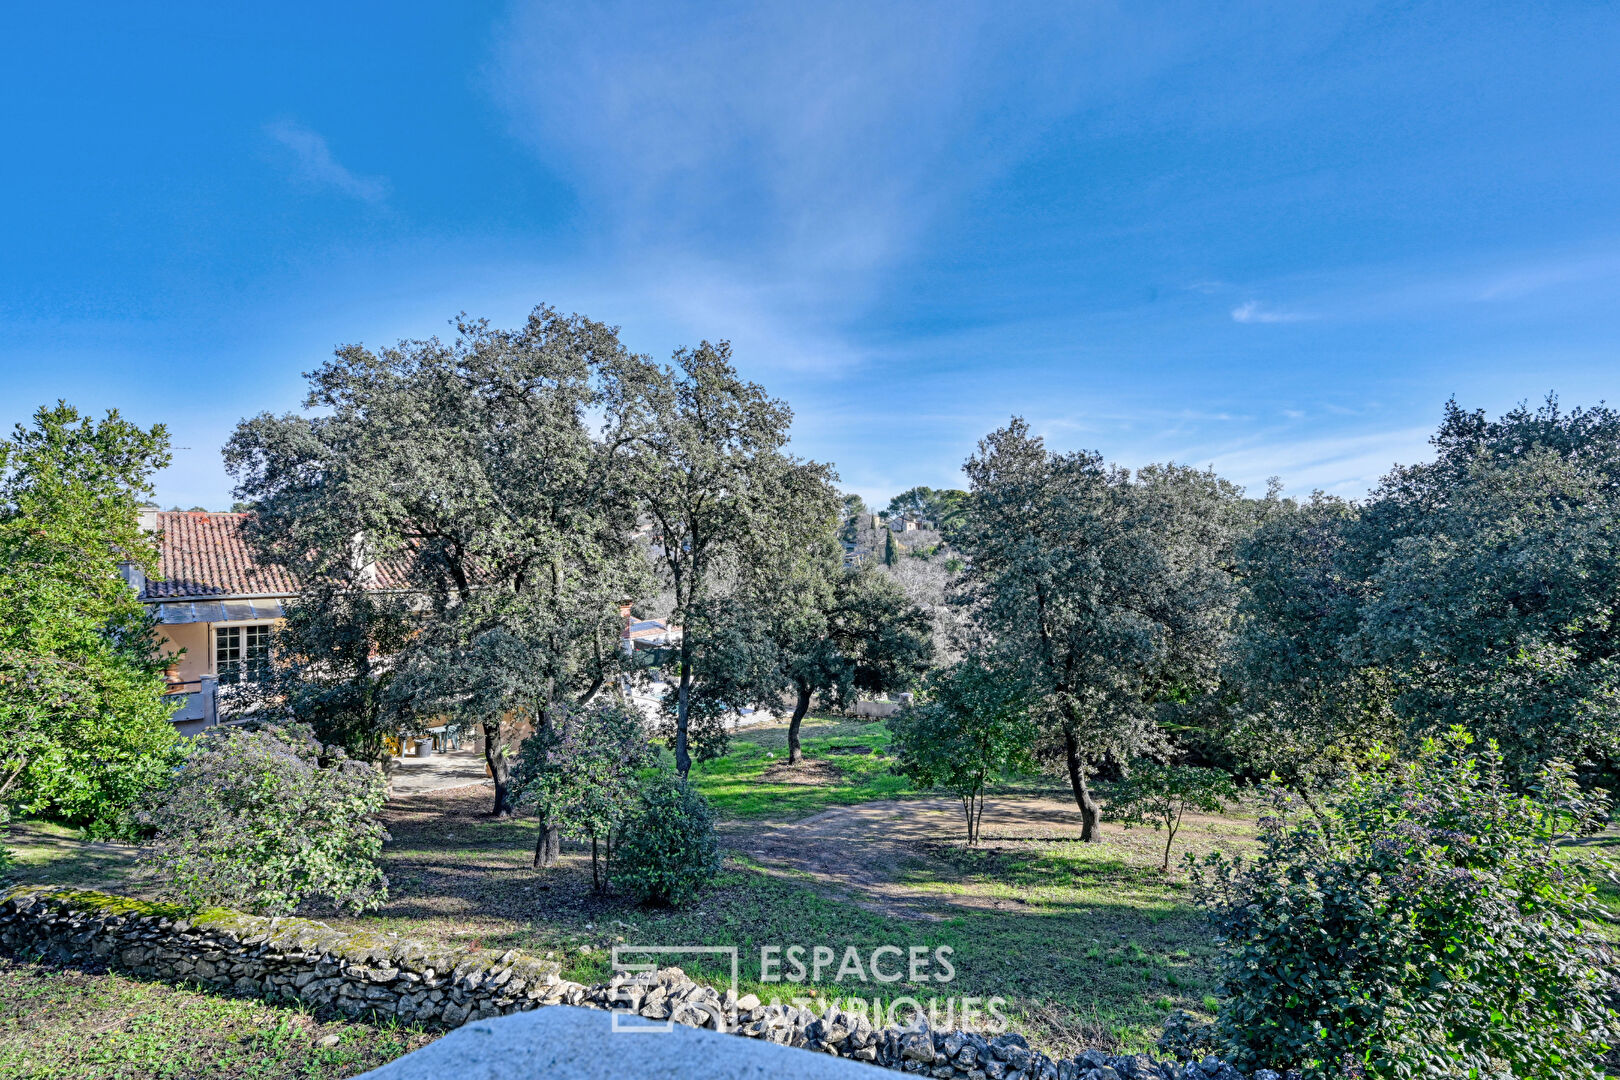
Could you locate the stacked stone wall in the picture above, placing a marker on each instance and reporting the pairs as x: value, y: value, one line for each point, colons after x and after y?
x: 290, y: 959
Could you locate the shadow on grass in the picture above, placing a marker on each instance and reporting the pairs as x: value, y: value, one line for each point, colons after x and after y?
x: 51, y: 854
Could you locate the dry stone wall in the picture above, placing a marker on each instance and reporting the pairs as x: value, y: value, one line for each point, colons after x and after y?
x: 289, y: 959
x: 282, y: 959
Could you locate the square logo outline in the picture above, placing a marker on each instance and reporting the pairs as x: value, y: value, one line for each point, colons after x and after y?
x: 654, y: 1026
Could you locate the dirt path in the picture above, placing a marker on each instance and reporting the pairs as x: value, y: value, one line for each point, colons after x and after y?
x: 877, y: 850
x: 454, y: 768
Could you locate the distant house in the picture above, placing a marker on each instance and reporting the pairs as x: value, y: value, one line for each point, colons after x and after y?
x: 215, y: 606
x: 645, y: 633
x: 212, y: 600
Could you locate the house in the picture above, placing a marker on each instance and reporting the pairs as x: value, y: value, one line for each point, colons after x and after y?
x: 645, y: 633
x: 214, y: 606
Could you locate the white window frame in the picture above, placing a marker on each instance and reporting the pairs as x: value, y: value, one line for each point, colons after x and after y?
x: 243, y: 659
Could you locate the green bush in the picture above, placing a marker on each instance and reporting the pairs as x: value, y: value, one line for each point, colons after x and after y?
x: 263, y: 820
x: 975, y: 727
x: 1429, y: 922
x: 581, y: 773
x: 669, y: 850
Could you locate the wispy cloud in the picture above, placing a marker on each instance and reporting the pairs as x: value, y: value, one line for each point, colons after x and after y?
x: 1345, y: 463
x: 791, y: 158
x: 1521, y: 281
x: 1252, y: 311
x: 314, y: 164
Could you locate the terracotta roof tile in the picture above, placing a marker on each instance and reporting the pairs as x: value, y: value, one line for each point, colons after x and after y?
x: 205, y: 554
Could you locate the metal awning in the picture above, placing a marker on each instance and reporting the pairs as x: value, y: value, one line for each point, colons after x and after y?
x: 214, y: 611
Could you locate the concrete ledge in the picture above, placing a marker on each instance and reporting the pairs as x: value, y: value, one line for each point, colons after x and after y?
x: 562, y: 1043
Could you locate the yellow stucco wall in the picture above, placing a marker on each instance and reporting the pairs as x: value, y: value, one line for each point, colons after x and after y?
x: 194, y: 639
x: 197, y: 639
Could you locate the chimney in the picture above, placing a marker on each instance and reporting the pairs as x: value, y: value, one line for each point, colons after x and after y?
x: 133, y: 576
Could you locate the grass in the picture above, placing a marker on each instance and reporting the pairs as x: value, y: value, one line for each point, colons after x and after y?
x: 849, y: 764
x: 47, y: 852
x: 1088, y: 944
x: 753, y: 780
x: 1606, y: 845
x: 61, y: 1023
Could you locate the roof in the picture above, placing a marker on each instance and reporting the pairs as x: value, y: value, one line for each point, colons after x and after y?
x: 202, y: 554
x: 205, y: 555
x: 218, y: 611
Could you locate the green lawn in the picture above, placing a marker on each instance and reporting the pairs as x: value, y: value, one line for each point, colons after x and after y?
x: 851, y: 760
x: 749, y: 781
x: 1088, y: 944
x: 64, y: 1024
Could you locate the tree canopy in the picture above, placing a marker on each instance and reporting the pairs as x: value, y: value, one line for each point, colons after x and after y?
x: 490, y: 478
x: 1112, y: 593
x: 941, y: 507
x: 1489, y: 584
x: 729, y: 509
x: 84, y: 727
x: 1477, y: 590
x: 844, y: 632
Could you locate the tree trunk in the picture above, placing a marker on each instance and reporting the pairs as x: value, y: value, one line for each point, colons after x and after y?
x: 548, y: 842
x: 1089, y: 811
x: 1171, y: 826
x: 800, y: 707
x: 596, y: 879
x: 683, y: 756
x: 500, y: 767
x: 547, y: 845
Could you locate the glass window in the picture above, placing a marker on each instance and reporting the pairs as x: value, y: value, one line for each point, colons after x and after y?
x: 242, y: 653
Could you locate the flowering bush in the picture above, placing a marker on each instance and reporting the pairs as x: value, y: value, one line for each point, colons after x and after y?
x: 1430, y: 922
x: 255, y: 820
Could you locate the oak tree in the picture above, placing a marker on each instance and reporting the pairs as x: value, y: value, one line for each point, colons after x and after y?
x: 1112, y: 593
x: 487, y: 478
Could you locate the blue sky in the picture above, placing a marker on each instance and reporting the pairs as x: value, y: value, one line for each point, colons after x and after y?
x: 1271, y: 237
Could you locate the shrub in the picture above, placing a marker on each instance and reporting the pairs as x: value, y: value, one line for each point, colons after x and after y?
x: 1430, y: 922
x: 581, y: 773
x: 255, y: 820
x: 8, y: 858
x: 974, y: 728
x: 668, y: 850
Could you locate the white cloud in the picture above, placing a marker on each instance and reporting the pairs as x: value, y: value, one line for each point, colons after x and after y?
x: 314, y: 164
x: 777, y: 163
x: 1252, y: 311
x: 1344, y: 464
